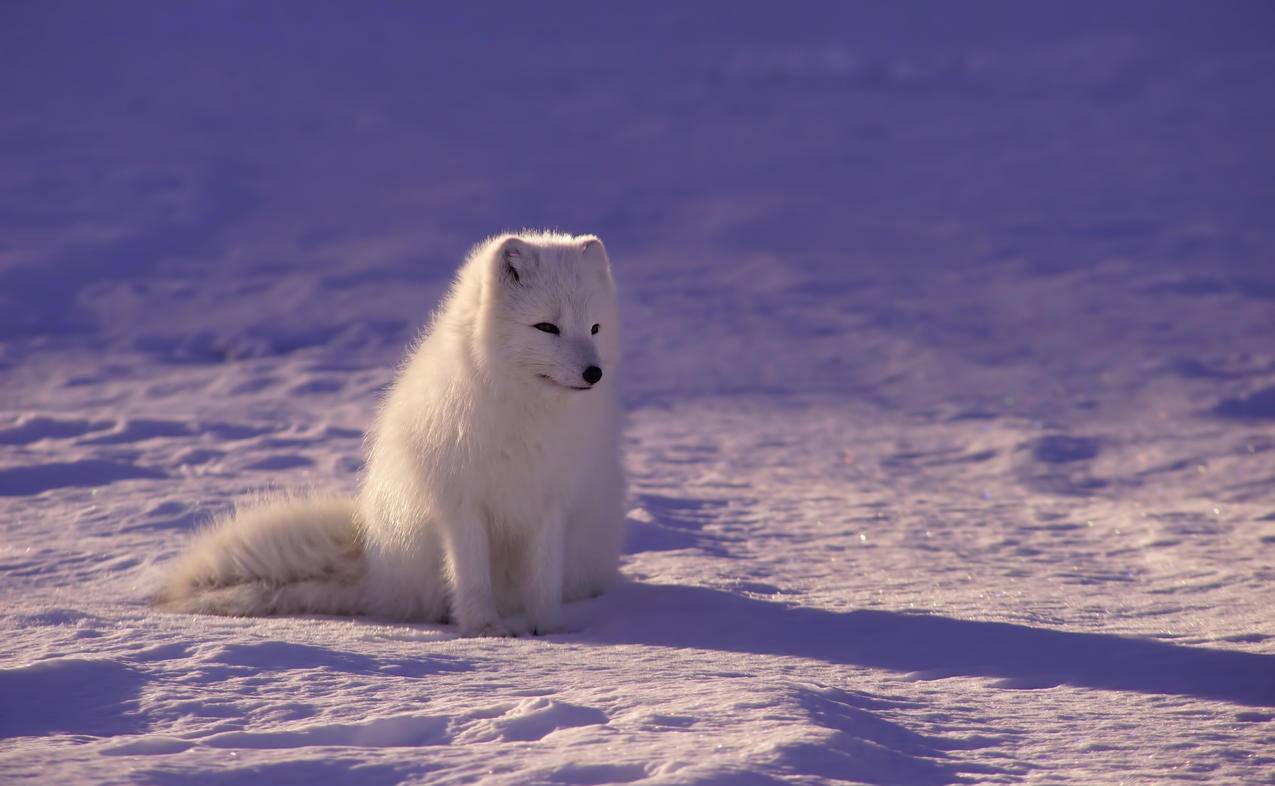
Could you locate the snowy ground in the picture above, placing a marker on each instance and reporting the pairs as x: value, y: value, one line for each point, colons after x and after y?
x: 950, y: 341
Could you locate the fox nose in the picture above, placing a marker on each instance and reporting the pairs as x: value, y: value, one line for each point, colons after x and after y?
x: 592, y: 374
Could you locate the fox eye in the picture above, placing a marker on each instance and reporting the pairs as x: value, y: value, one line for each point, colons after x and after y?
x: 594, y: 329
x: 547, y: 327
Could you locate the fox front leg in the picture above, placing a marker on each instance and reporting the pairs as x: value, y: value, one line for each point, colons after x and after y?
x: 473, y: 602
x: 542, y: 571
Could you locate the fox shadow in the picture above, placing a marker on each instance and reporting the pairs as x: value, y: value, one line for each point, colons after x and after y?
x: 932, y: 646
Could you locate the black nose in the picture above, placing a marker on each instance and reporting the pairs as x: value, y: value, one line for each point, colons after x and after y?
x: 592, y: 374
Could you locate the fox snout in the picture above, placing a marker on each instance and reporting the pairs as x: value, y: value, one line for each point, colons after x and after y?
x: 592, y: 374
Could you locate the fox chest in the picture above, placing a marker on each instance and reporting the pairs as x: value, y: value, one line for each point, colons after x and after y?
x: 529, y: 477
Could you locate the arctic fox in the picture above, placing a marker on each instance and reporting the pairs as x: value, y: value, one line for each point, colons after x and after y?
x: 493, y: 489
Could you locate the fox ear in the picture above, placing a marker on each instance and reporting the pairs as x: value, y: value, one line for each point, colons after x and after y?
x: 514, y: 256
x: 591, y: 248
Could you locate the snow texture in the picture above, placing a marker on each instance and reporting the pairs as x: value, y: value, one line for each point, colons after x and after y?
x: 950, y: 378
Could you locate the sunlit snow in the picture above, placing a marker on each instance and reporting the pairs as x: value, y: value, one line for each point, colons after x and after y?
x: 950, y: 372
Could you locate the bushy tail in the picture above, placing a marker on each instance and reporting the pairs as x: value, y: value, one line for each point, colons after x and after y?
x: 290, y: 556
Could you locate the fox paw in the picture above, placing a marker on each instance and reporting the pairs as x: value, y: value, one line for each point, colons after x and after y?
x: 549, y: 630
x: 490, y: 629
x: 546, y: 626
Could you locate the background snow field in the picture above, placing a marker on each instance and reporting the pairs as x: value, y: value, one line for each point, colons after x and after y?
x: 950, y: 372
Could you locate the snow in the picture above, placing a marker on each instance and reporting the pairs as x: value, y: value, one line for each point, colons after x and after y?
x: 950, y: 372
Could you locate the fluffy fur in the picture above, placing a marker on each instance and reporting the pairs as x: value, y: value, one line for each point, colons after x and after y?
x: 493, y: 489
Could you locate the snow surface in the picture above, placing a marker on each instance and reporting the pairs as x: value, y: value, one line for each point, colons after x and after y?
x: 950, y: 372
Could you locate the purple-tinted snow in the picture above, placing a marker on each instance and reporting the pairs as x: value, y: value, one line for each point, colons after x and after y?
x: 950, y: 363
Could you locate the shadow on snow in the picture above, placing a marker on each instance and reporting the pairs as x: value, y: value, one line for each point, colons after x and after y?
x: 1020, y: 656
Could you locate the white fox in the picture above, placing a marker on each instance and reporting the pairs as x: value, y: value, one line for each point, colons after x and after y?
x: 493, y: 489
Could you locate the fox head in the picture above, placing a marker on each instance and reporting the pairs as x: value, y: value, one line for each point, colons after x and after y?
x: 550, y: 311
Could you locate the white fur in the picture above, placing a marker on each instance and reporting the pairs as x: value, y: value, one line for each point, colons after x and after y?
x: 493, y: 488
